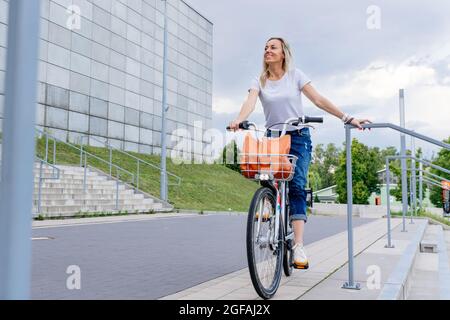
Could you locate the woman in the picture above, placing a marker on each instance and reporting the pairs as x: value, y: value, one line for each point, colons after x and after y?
x: 279, y: 88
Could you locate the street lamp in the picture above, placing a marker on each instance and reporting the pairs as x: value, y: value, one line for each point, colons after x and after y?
x: 163, y: 191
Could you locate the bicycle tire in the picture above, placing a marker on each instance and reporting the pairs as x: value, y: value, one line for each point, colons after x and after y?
x: 267, y: 285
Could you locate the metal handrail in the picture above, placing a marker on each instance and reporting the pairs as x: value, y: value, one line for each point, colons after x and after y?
x: 433, y: 182
x: 85, y: 153
x: 85, y: 165
x: 139, y: 160
x: 42, y: 162
x: 350, y: 284
x: 405, y: 131
x: 434, y: 175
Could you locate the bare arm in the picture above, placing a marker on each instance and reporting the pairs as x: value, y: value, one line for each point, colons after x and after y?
x: 326, y: 105
x: 247, y: 108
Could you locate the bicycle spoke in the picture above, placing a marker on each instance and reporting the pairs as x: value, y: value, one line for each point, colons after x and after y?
x: 264, y: 256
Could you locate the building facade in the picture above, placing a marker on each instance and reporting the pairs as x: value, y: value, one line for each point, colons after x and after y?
x: 101, y: 71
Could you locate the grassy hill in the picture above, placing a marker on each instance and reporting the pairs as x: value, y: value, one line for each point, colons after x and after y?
x: 203, y: 186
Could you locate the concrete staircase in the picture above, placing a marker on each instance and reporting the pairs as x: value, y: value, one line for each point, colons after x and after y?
x: 66, y: 197
x: 430, y: 274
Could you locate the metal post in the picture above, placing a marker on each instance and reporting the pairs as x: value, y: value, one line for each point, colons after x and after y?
x: 420, y: 184
x: 163, y: 191
x: 348, y: 146
x: 85, y: 173
x: 40, y: 189
x: 388, y: 205
x: 16, y: 191
x: 117, y: 189
x: 46, y: 147
x: 411, y: 197
x: 403, y: 160
x: 137, y: 175
x: 54, y: 151
x: 110, y: 161
x: 413, y: 175
x: 81, y: 151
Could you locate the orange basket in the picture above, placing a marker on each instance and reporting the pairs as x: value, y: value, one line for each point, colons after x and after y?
x: 267, y: 156
x: 276, y: 166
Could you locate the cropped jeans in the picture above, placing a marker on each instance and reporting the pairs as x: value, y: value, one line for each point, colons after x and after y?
x: 301, y: 147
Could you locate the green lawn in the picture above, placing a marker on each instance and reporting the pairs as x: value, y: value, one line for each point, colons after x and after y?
x: 439, y: 218
x: 203, y: 186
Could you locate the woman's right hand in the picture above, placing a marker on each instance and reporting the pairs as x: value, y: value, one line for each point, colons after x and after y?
x: 234, y: 125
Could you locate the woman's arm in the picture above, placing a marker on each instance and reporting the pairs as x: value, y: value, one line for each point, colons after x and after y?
x: 247, y: 108
x: 326, y: 105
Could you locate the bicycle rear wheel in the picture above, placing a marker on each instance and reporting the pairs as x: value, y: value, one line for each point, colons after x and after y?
x: 265, y: 257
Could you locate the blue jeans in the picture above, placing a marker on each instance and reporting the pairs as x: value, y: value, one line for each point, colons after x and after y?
x: 301, y: 147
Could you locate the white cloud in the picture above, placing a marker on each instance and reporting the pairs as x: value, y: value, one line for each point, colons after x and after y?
x: 374, y: 91
x: 225, y: 105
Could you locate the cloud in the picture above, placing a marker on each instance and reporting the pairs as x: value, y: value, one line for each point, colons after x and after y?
x: 225, y: 105
x: 358, y: 69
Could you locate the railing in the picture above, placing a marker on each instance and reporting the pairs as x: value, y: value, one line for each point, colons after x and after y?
x: 139, y: 161
x: 429, y: 180
x: 41, y: 179
x: 84, y: 156
x: 351, y: 283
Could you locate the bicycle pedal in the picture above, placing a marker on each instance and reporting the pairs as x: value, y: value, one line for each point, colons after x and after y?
x: 265, y: 216
x: 300, y: 267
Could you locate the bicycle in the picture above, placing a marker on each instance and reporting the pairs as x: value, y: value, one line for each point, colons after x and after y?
x: 270, y: 237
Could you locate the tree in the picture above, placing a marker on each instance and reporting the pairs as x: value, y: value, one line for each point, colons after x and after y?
x: 323, y: 166
x: 366, y: 162
x: 315, y: 182
x: 443, y: 160
x: 230, y: 155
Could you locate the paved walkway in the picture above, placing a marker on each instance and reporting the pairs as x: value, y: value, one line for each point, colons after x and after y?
x: 146, y: 256
x: 320, y: 281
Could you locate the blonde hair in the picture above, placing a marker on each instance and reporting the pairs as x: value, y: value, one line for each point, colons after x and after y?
x: 286, y: 63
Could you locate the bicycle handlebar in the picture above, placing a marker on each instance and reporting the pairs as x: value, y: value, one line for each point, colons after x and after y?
x: 306, y: 119
x: 245, y: 125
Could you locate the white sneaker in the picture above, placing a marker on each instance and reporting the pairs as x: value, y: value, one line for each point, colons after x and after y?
x: 300, y: 259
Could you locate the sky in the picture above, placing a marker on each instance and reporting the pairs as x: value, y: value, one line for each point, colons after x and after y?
x: 358, y: 54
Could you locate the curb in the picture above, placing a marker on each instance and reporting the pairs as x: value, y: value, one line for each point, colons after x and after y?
x: 431, y: 220
x: 397, y: 283
x: 205, y: 212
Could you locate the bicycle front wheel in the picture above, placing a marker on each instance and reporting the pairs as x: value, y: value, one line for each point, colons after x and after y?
x: 264, y: 253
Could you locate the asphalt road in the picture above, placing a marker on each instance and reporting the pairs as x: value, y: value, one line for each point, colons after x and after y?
x: 147, y: 259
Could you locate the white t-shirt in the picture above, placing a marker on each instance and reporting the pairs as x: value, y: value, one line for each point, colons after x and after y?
x: 282, y: 99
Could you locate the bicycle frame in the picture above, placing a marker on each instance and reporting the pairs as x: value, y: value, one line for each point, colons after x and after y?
x: 280, y: 211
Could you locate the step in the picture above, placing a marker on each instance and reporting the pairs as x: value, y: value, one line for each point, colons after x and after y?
x: 424, y: 276
x: 95, y: 202
x: 51, y: 183
x: 70, y: 177
x: 425, y: 280
x: 105, y: 208
x: 398, y: 283
x: 56, y: 185
x: 80, y: 191
x: 122, y: 196
x: 67, y: 172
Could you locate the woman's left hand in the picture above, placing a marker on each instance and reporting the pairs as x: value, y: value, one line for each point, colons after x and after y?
x: 358, y: 122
